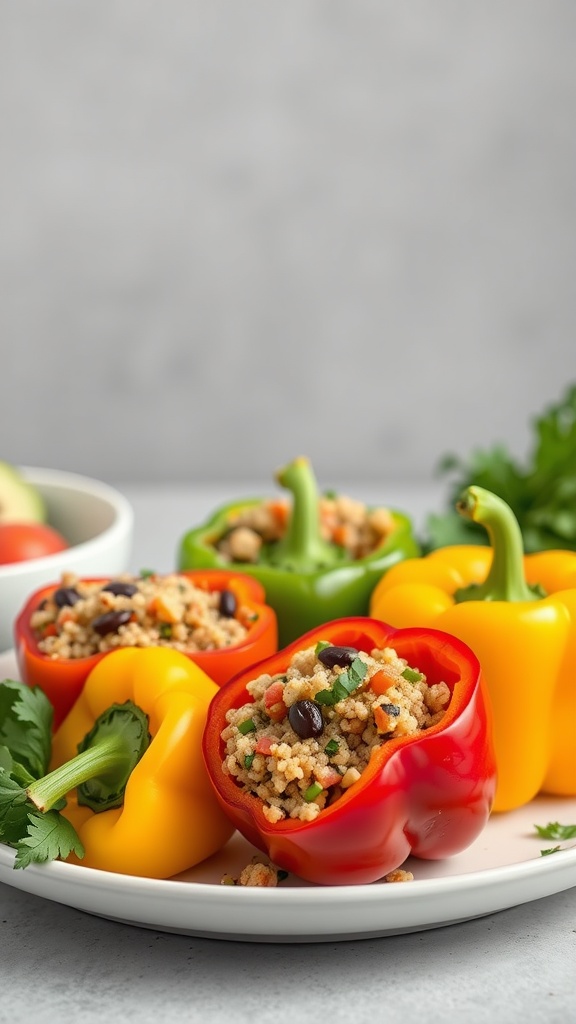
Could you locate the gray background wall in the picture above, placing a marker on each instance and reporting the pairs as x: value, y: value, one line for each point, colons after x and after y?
x: 235, y: 232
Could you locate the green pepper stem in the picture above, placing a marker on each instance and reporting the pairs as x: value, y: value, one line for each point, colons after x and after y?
x: 302, y: 548
x: 106, y: 758
x: 506, y: 580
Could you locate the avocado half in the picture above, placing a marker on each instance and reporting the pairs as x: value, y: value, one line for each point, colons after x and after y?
x: 20, y: 502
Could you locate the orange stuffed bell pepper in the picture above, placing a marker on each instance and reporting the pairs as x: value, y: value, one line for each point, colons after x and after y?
x: 64, y: 630
x: 518, y: 614
x: 128, y: 760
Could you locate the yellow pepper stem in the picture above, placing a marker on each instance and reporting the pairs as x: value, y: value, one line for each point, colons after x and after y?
x: 103, y: 765
x: 506, y: 580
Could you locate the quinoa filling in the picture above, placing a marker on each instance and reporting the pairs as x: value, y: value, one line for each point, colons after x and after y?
x: 308, y: 733
x: 343, y: 521
x: 81, y: 618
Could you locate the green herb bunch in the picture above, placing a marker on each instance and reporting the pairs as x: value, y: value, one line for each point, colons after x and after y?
x: 542, y: 493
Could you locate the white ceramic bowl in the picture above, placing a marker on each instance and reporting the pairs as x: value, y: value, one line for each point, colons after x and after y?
x: 95, y: 519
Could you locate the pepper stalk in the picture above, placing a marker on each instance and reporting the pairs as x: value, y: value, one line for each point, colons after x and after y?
x: 302, y: 548
x: 506, y: 580
x: 106, y: 758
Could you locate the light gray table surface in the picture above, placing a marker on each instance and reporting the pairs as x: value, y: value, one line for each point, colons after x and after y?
x: 57, y: 963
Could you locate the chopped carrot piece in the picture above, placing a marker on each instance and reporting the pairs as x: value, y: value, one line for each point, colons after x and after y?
x: 340, y: 535
x: 381, y: 682
x: 279, y: 510
x: 381, y: 719
x: 164, y: 609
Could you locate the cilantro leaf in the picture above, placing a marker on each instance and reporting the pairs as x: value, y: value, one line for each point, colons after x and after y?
x: 14, y: 809
x: 554, y: 830
x: 50, y: 835
x: 26, y: 725
x: 344, y: 685
x: 541, y: 493
x: 551, y: 849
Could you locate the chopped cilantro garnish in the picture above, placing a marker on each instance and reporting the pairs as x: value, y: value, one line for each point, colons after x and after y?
x: 165, y: 631
x: 344, y: 684
x: 554, y: 830
x: 320, y: 646
x: 412, y: 675
x: 551, y: 849
x: 146, y: 574
x: 246, y: 726
x: 331, y: 747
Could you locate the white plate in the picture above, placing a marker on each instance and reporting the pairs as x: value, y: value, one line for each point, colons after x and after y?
x: 503, y: 868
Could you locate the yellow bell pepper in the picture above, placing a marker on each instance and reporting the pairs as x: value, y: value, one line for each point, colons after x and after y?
x: 518, y: 614
x: 169, y: 819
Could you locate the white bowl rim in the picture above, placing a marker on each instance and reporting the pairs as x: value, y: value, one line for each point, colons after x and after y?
x: 122, y: 523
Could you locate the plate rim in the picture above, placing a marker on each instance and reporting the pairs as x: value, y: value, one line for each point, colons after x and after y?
x: 173, y: 903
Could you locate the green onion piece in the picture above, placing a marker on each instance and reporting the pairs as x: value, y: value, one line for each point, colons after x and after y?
x: 412, y: 675
x: 312, y: 792
x: 248, y: 760
x: 320, y: 646
x: 331, y: 747
x: 247, y: 726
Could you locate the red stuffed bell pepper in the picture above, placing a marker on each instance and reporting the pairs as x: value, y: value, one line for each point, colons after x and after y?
x: 217, y: 607
x: 314, y: 756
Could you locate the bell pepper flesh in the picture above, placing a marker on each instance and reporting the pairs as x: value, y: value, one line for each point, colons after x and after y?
x: 526, y: 645
x: 169, y: 820
x: 428, y: 795
x: 306, y: 580
x: 62, y: 680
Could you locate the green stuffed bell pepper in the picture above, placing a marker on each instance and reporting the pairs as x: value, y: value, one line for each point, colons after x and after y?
x: 318, y: 557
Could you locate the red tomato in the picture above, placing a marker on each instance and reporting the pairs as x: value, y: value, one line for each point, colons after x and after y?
x: 21, y: 541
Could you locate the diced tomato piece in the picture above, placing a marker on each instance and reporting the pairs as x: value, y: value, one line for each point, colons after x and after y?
x: 328, y: 777
x: 274, y: 703
x: 263, y: 745
x: 273, y: 694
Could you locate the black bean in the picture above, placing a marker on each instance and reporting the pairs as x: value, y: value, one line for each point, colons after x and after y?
x: 228, y: 604
x: 110, y: 622
x: 341, y: 656
x: 65, y: 597
x: 120, y: 589
x: 391, y: 709
x: 305, y: 717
